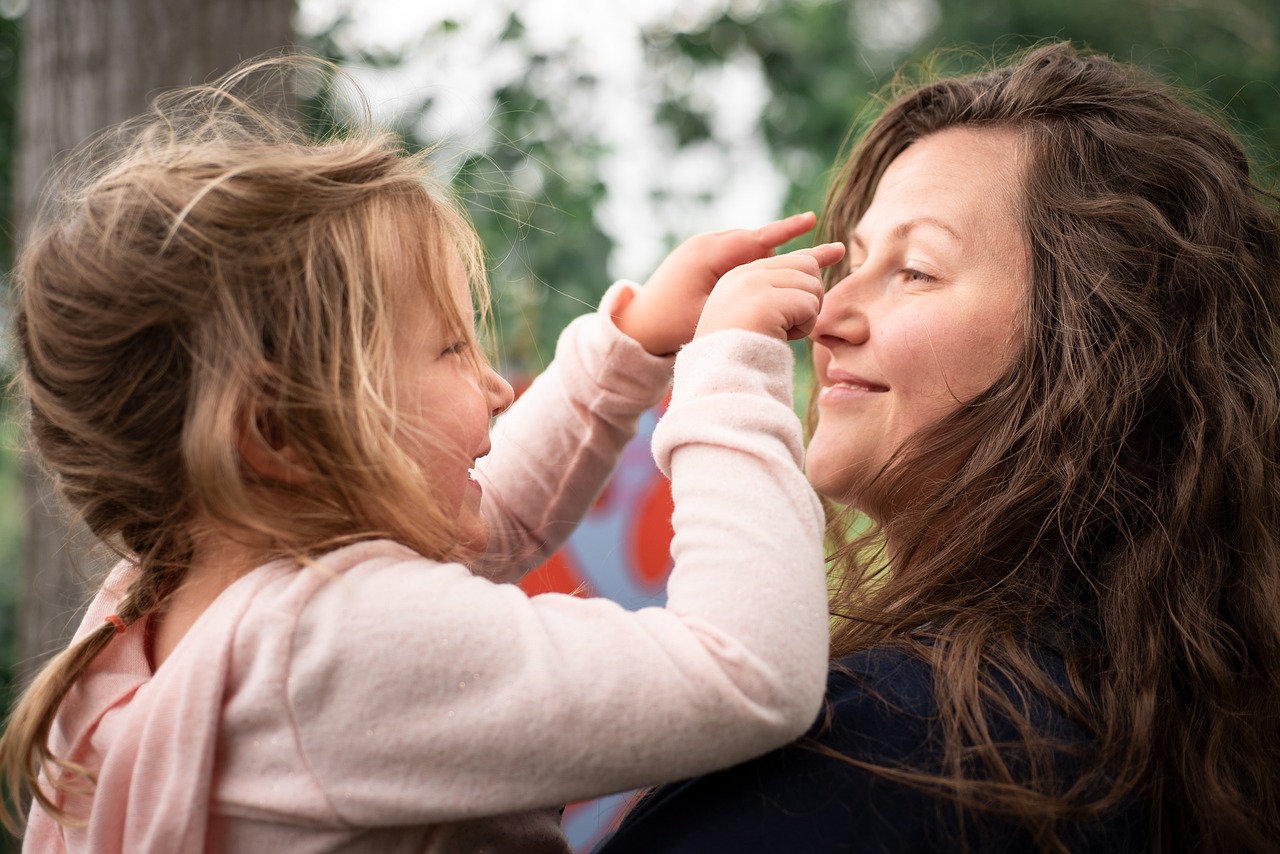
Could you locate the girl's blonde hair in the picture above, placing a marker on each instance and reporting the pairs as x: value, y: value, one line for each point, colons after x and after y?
x: 213, y: 272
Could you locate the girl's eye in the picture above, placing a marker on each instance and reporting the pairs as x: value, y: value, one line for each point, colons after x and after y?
x: 454, y: 349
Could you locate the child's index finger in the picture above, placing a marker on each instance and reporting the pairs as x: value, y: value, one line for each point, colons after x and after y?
x: 826, y: 253
x: 780, y: 231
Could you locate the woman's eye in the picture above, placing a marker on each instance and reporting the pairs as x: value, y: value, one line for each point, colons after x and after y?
x: 915, y: 276
x: 454, y: 349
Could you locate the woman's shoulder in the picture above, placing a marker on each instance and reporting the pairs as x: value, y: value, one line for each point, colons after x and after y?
x: 888, y: 674
x: 829, y: 790
x: 893, y: 686
x: 818, y: 793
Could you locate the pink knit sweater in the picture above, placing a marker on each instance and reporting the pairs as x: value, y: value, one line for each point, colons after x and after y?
x: 379, y: 701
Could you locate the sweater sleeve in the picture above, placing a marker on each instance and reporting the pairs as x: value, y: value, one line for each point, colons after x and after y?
x: 555, y: 448
x: 420, y: 692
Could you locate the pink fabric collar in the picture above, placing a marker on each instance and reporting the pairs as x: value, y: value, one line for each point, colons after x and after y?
x: 162, y: 729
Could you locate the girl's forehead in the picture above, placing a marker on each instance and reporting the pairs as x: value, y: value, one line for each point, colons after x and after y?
x: 416, y: 258
x: 458, y: 283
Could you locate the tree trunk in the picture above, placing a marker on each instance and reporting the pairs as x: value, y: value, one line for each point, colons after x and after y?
x: 87, y: 64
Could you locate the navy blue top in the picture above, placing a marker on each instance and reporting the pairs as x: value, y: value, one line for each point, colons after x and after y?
x: 797, y: 800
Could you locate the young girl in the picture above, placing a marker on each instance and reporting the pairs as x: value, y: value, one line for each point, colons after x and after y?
x: 251, y: 364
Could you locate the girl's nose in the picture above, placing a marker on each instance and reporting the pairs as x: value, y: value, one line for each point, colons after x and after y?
x: 843, y: 318
x: 499, y: 391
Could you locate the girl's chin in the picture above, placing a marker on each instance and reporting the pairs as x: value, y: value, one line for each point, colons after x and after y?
x: 473, y: 536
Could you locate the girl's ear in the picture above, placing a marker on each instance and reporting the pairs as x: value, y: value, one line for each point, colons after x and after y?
x: 261, y: 443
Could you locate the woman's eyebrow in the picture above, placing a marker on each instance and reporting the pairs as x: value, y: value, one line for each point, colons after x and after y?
x: 905, y: 227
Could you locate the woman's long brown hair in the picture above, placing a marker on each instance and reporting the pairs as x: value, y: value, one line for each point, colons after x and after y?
x: 1117, y: 489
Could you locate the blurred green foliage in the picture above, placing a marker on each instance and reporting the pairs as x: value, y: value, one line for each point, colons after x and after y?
x: 547, y: 253
x: 825, y: 61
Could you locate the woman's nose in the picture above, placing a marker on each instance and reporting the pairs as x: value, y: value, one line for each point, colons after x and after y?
x: 843, y: 317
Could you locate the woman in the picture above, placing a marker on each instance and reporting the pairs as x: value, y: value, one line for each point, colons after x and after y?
x: 1048, y: 376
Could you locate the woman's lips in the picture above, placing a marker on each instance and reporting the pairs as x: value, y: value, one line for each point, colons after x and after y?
x: 846, y: 391
x: 841, y: 385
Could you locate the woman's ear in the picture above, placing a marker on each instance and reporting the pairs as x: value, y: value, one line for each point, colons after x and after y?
x: 260, y: 439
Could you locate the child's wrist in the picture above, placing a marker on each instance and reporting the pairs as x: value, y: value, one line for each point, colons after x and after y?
x: 635, y: 325
x: 621, y: 302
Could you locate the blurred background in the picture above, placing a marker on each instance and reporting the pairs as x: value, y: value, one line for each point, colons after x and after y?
x: 586, y: 138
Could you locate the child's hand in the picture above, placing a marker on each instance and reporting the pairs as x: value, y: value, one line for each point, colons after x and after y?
x: 779, y: 297
x: 664, y: 313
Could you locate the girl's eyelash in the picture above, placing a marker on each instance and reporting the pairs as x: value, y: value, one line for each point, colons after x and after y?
x: 455, y: 348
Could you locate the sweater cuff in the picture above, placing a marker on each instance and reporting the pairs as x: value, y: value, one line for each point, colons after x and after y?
x: 628, y: 377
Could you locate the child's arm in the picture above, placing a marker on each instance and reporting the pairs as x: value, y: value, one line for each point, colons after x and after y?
x: 664, y: 315
x: 557, y: 446
x: 418, y: 692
